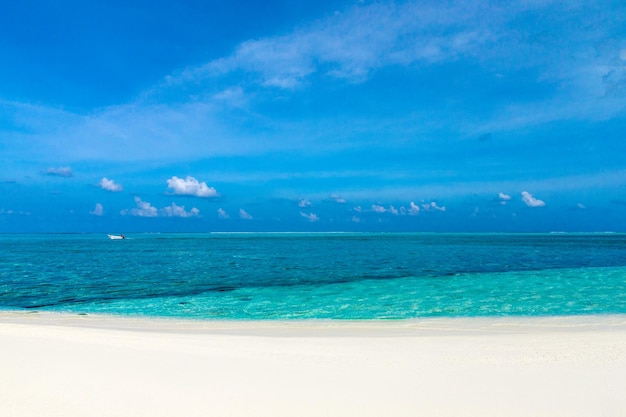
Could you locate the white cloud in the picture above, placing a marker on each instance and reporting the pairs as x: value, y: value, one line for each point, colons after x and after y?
x: 355, y: 219
x: 353, y: 44
x: 378, y: 209
x: 358, y: 209
x: 178, y: 211
x: 432, y: 206
x: 304, y: 203
x: 337, y: 198
x: 233, y: 97
x: 98, y: 210
x: 143, y: 209
x: 312, y: 217
x: 190, y: 186
x: 414, y: 209
x: 60, y: 172
x: 222, y: 214
x: 581, y: 206
x: 109, y: 185
x: 504, y: 198
x: 531, y: 201
x: 4, y: 212
x: 245, y: 215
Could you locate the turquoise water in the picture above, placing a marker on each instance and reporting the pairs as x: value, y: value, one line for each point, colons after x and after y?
x: 315, y: 276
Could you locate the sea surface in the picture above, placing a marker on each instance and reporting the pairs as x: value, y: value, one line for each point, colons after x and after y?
x: 265, y: 276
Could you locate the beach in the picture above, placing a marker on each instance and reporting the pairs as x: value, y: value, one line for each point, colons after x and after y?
x: 78, y: 365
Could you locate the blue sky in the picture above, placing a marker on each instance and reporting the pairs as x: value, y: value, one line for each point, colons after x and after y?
x: 312, y: 116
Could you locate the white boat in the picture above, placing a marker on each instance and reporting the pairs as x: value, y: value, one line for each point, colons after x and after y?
x: 117, y: 237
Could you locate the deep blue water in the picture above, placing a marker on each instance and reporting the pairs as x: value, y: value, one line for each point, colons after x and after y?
x: 296, y: 276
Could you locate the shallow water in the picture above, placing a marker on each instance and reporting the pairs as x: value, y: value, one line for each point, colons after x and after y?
x: 296, y: 276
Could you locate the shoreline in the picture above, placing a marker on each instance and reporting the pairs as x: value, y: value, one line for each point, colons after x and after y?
x: 322, y: 327
x: 58, y: 364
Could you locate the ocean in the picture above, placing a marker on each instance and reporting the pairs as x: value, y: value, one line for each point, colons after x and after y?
x: 344, y: 276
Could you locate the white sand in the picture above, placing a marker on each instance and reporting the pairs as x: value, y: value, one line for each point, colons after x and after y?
x: 61, y: 365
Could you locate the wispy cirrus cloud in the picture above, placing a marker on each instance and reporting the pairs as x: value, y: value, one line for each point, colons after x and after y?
x: 587, y: 66
x: 353, y: 44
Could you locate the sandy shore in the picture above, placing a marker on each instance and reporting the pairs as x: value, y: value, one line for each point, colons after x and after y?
x: 67, y: 365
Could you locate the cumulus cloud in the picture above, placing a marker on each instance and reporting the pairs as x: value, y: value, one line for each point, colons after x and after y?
x: 109, y: 185
x: 503, y: 198
x: 414, y: 209
x: 98, y: 210
x: 432, y: 206
x: 337, y: 198
x: 60, y: 172
x: 312, y: 217
x: 222, y: 214
x: 245, y: 215
x: 190, y: 186
x: 143, y: 209
x: 378, y: 209
x: 304, y: 203
x: 531, y: 201
x: 179, y: 211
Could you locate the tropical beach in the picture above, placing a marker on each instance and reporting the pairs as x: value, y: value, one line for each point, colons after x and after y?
x: 313, y: 324
x: 312, y: 208
x: 69, y: 365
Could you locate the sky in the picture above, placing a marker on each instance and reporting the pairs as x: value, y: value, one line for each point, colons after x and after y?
x: 199, y: 116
